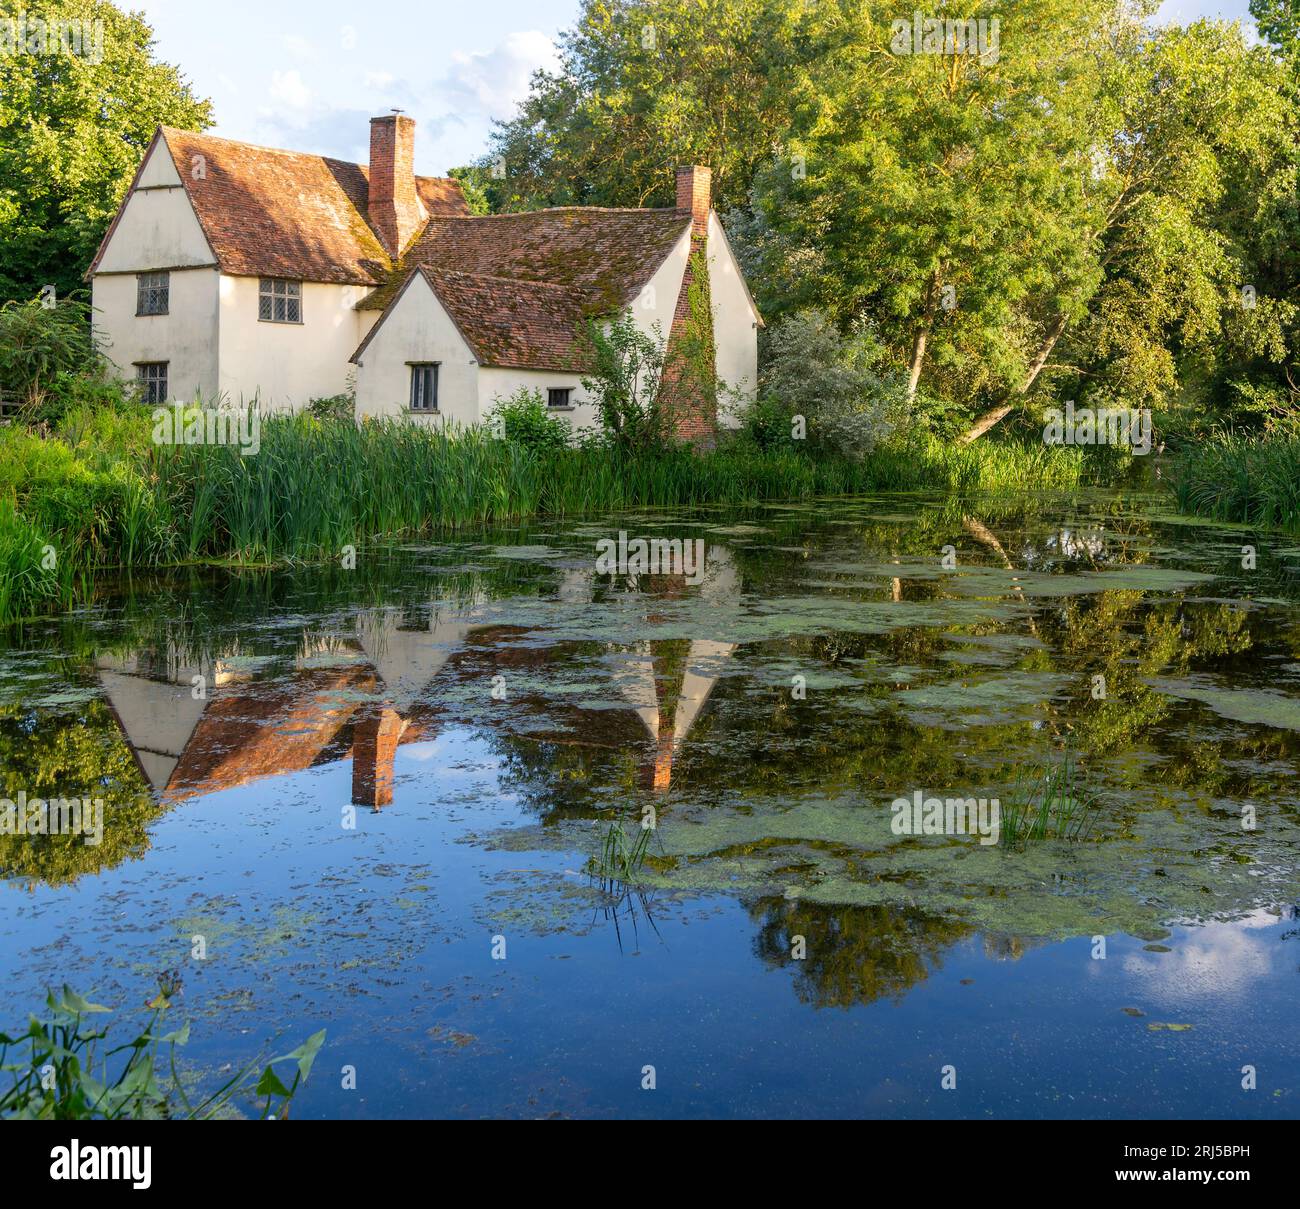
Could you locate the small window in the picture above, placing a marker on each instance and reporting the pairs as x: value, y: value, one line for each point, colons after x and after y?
x: 152, y: 293
x: 424, y: 386
x: 279, y: 301
x: 152, y: 377
x: 559, y: 397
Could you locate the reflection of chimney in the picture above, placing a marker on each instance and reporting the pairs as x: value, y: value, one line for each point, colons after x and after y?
x: 374, y: 745
x: 668, y: 699
x: 663, y: 770
x: 395, y: 210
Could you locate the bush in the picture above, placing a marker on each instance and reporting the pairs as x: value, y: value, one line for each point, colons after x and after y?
x: 628, y: 367
x: 767, y: 422
x: 832, y: 380
x: 523, y: 419
x: 41, y: 345
x: 335, y: 407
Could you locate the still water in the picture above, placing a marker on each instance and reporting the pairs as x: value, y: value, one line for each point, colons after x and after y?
x: 384, y: 798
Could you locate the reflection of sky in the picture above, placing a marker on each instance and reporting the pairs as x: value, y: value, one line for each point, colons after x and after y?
x: 1219, y: 960
x: 383, y: 936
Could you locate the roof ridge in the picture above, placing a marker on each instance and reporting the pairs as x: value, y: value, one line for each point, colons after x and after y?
x: 311, y: 155
x: 573, y: 209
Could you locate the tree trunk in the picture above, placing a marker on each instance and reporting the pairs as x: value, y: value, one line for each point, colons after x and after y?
x: 994, y: 416
x: 918, y: 357
x: 922, y: 337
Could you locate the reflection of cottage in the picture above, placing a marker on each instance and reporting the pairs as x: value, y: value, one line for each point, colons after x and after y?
x: 240, y: 271
x: 364, y: 696
x: 238, y: 731
x: 668, y: 699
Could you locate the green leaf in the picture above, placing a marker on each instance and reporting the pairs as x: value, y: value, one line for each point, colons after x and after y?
x: 269, y: 1084
x: 72, y: 1002
x: 305, y: 1054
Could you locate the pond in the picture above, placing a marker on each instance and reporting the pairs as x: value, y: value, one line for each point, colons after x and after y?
x: 515, y: 826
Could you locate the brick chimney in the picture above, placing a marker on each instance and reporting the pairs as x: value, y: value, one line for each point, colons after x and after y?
x: 694, y: 186
x: 395, y: 209
x: 690, y: 402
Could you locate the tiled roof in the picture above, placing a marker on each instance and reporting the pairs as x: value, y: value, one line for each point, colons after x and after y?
x: 269, y: 213
x: 516, y: 324
x: 609, y: 254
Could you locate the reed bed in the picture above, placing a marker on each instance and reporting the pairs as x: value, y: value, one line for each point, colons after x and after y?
x: 101, y: 495
x: 1250, y: 480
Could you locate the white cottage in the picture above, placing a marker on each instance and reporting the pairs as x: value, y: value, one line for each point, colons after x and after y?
x: 233, y: 272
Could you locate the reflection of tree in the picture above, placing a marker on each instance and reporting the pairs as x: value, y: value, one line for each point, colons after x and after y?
x: 75, y: 754
x: 853, y: 954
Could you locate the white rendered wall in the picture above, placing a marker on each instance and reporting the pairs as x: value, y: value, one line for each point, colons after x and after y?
x: 186, y: 337
x: 735, y: 324
x: 287, y: 365
x: 418, y: 328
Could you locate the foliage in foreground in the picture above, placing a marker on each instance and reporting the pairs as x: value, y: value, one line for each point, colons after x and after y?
x: 66, y: 1070
x: 1056, y: 801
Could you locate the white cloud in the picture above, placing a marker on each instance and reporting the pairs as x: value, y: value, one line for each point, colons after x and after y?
x: 300, y: 48
x: 497, y: 80
x: 289, y: 91
x: 452, y: 111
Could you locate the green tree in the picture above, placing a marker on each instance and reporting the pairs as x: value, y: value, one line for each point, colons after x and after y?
x: 937, y: 190
x: 1198, y: 175
x: 72, y: 133
x: 644, y: 85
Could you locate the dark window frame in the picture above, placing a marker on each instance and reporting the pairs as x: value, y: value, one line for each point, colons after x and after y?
x: 417, y: 401
x: 566, y: 391
x: 153, y: 294
x: 153, y: 386
x: 279, y: 300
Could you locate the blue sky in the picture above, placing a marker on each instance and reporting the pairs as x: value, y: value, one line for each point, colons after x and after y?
x: 309, y: 74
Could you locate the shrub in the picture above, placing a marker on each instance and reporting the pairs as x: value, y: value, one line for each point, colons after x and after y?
x: 624, y: 384
x: 767, y: 422
x: 524, y: 420
x: 335, y: 407
x: 40, y: 344
x: 833, y: 381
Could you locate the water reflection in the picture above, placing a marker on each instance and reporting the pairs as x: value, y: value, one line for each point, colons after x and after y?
x: 603, y: 694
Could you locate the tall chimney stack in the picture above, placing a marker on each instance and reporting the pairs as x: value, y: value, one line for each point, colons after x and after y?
x: 395, y: 209
x: 694, y: 186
